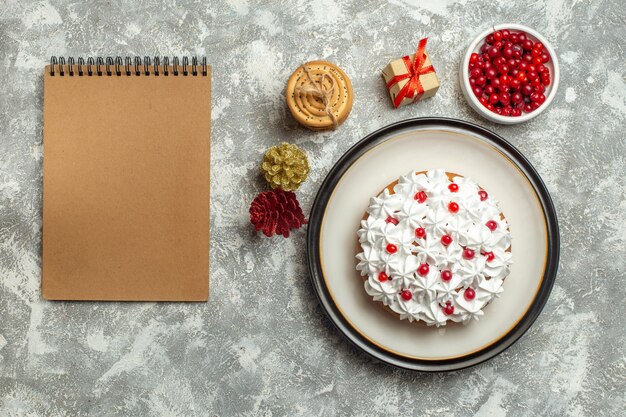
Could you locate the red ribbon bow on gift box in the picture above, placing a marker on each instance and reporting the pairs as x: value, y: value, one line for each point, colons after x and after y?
x: 413, y: 88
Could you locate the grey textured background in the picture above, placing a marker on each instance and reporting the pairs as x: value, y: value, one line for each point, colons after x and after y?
x: 262, y: 345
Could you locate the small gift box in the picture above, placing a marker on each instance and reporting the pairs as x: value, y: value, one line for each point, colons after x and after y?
x: 411, y: 78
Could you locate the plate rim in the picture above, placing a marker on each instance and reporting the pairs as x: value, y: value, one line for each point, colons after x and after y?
x: 314, y: 259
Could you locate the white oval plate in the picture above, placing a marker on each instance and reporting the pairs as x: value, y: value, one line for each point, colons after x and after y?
x: 418, y: 145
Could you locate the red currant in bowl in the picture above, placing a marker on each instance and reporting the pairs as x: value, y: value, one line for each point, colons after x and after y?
x: 518, y: 74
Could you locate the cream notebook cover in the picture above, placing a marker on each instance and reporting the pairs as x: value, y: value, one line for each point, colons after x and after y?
x: 126, y: 180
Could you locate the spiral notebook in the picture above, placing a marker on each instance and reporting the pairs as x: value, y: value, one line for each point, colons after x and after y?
x: 126, y: 179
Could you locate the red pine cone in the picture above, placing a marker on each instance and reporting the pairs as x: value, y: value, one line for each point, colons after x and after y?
x: 276, y: 212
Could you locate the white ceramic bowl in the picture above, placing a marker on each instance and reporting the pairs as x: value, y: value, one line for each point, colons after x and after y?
x: 550, y: 92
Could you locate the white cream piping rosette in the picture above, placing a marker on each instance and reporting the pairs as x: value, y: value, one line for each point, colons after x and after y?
x: 435, y: 249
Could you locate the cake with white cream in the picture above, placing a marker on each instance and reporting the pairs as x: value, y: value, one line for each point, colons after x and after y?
x: 434, y: 247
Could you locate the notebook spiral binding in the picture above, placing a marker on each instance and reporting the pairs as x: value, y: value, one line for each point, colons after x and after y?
x: 110, y: 66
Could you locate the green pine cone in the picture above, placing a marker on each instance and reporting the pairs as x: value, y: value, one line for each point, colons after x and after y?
x: 285, y: 166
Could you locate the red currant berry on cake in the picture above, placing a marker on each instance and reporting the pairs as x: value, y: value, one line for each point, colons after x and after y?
x: 382, y: 277
x: 469, y: 294
x: 483, y: 195
x: 453, y: 188
x: 448, y: 309
x: 468, y: 253
x: 391, y: 248
x: 492, y: 225
x: 392, y: 220
x: 420, y: 196
x: 453, y: 207
x: 446, y: 275
x: 420, y: 232
x: 423, y: 269
x: 406, y: 295
x: 446, y: 240
x: 490, y: 256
